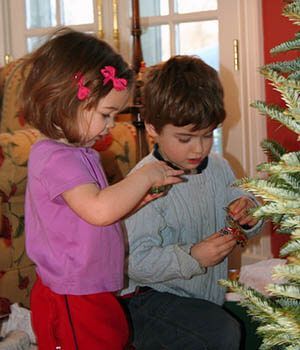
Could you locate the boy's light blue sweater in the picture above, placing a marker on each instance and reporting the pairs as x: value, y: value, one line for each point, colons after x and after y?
x: 162, y: 232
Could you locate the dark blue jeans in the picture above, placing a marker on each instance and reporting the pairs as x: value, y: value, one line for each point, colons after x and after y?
x: 163, y: 321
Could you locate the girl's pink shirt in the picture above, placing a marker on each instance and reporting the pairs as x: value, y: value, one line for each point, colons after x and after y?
x: 71, y: 255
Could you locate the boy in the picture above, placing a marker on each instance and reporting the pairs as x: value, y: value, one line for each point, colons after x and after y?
x: 177, y: 253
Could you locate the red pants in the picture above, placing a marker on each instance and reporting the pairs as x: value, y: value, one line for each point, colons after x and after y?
x: 70, y: 322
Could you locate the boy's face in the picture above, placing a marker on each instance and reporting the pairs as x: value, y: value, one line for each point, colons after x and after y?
x: 182, y: 146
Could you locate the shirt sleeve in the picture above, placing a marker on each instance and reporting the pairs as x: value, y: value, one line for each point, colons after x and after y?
x: 150, y: 261
x: 64, y: 170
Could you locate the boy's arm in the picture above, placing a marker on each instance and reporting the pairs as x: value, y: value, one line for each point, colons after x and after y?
x: 235, y: 193
x: 151, y: 260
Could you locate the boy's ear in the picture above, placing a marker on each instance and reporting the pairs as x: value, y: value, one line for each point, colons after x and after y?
x: 151, y: 130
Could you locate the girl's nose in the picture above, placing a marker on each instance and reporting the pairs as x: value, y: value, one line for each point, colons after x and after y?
x: 110, y: 122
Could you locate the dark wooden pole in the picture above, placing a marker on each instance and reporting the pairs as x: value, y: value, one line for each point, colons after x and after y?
x: 136, y: 32
x: 137, y: 59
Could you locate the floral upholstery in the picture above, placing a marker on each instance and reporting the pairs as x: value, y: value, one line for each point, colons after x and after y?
x: 16, y: 270
x: 117, y: 152
x: 11, y: 82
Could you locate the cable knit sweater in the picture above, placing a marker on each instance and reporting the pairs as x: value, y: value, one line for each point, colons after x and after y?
x: 161, y: 233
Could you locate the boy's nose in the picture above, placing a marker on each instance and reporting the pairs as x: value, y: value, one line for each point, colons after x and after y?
x: 198, y: 147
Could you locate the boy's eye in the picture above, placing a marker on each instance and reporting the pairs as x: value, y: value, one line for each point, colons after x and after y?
x: 184, y: 139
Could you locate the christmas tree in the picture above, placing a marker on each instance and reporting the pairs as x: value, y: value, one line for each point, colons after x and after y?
x: 279, y: 314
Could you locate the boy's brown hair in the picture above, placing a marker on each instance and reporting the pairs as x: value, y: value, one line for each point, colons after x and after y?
x: 181, y: 91
x: 49, y: 97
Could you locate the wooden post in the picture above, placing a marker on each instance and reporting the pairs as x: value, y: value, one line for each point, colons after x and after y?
x: 142, y: 148
x: 136, y: 32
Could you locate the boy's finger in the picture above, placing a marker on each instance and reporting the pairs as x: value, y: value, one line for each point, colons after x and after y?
x: 232, y: 205
x: 224, y: 240
x: 248, y: 220
x: 213, y: 236
x: 239, y: 205
x: 226, y: 248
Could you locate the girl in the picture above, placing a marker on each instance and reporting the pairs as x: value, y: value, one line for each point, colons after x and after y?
x: 75, y: 86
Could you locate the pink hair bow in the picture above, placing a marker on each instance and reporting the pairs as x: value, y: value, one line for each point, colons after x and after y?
x: 83, y: 91
x: 109, y: 73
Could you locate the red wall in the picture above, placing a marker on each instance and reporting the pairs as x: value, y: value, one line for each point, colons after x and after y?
x: 277, y: 29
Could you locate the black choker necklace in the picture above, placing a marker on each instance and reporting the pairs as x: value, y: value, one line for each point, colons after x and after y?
x: 197, y: 170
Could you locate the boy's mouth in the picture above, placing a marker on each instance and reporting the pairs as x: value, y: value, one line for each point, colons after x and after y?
x: 198, y: 164
x: 195, y: 161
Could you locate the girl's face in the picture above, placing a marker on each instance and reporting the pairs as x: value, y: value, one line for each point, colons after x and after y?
x: 95, y: 123
x: 182, y: 146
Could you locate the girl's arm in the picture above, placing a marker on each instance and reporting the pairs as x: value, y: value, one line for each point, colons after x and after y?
x: 105, y: 206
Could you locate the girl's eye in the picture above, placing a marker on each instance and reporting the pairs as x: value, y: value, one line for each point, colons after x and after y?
x: 106, y: 116
x: 209, y: 136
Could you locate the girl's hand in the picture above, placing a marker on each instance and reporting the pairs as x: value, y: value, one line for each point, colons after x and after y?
x: 161, y: 177
x: 149, y: 198
x: 160, y: 174
x: 239, y: 211
x: 213, y: 249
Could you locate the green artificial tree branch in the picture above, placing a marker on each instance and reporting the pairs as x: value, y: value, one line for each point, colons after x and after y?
x: 292, y: 11
x: 279, y: 312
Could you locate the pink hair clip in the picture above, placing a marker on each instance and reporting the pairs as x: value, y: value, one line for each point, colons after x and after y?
x: 83, y: 91
x: 109, y: 73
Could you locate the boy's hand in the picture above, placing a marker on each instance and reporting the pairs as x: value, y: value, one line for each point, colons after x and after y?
x: 213, y: 249
x: 239, y: 211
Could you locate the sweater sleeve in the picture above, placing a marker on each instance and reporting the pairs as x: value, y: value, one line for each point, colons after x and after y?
x: 150, y: 259
x: 234, y: 193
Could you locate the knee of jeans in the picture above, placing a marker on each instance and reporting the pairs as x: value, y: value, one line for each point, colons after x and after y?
x: 231, y: 333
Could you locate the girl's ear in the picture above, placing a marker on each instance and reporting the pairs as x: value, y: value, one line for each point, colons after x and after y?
x: 151, y: 130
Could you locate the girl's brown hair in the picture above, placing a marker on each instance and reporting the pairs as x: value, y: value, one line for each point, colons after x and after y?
x: 49, y: 97
x: 181, y: 91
